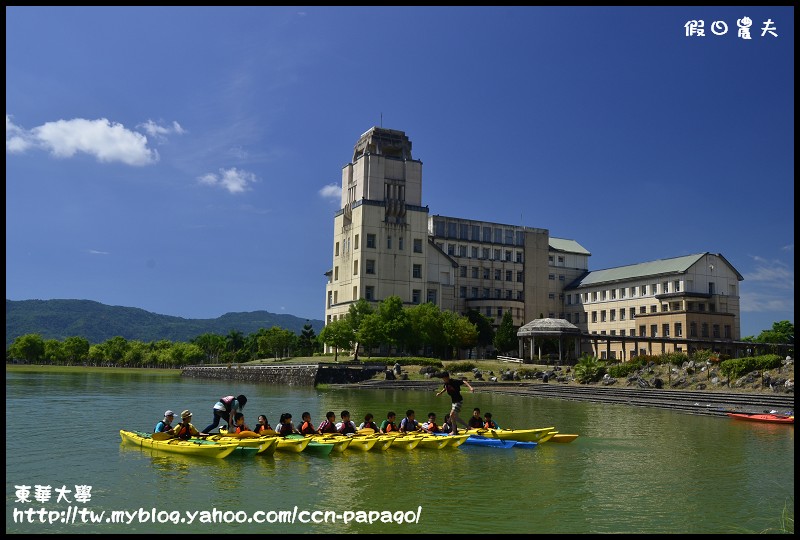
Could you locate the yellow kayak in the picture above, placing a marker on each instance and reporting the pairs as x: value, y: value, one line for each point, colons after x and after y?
x: 364, y: 444
x: 405, y: 443
x: 177, y: 446
x: 292, y: 445
x: 563, y: 437
x: 340, y: 442
x: 266, y: 444
x: 526, y: 435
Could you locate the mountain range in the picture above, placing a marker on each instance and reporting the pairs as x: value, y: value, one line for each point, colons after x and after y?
x: 60, y: 319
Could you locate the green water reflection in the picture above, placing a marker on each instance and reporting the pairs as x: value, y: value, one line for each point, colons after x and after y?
x: 632, y: 470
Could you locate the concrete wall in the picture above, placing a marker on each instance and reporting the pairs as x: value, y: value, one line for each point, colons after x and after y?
x: 295, y: 375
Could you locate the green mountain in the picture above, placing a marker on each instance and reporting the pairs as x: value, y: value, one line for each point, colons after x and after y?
x: 60, y: 319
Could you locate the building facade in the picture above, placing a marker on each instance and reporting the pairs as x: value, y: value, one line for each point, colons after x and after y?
x: 385, y: 243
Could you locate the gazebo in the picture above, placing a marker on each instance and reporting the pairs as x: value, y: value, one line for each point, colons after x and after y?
x: 559, y: 328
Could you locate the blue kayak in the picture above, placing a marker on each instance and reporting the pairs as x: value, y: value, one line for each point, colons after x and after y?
x: 486, y: 441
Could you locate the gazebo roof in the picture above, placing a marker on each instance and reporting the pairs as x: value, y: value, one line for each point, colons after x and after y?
x: 548, y: 327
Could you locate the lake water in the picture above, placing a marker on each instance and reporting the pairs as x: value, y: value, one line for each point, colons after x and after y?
x: 632, y: 470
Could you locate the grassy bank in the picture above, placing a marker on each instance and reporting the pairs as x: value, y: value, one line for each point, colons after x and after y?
x: 87, y: 369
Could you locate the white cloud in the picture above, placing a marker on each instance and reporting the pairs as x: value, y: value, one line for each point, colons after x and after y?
x: 775, y: 273
x: 17, y: 140
x: 234, y: 180
x: 95, y: 252
x: 331, y: 191
x: 761, y: 302
x: 789, y: 247
x: 158, y: 131
x: 100, y: 138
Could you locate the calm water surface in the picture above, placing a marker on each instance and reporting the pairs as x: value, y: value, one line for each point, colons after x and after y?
x: 632, y: 470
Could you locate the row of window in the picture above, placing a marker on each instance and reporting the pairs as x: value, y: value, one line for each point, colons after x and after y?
x: 477, y: 293
x: 487, y: 273
x: 369, y: 268
x: 478, y: 233
x: 474, y: 252
x: 372, y: 243
x: 678, y: 328
x: 614, y: 294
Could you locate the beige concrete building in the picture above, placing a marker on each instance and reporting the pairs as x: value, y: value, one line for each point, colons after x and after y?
x: 385, y: 243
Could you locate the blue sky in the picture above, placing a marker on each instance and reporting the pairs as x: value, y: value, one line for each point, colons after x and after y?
x: 187, y: 161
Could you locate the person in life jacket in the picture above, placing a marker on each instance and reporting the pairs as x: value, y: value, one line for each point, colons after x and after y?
x: 475, y: 421
x: 368, y: 423
x: 488, y: 423
x: 409, y: 424
x: 329, y: 424
x: 185, y: 430
x: 238, y: 421
x: 286, y: 427
x: 430, y: 426
x: 224, y: 409
x: 263, y: 424
x: 165, y: 426
x: 446, y: 427
x: 346, y: 426
x: 307, y: 426
x: 388, y: 425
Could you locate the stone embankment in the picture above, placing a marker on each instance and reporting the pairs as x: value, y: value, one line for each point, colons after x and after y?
x: 713, y: 403
x: 289, y: 375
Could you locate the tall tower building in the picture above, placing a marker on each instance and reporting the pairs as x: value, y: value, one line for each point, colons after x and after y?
x: 380, y: 233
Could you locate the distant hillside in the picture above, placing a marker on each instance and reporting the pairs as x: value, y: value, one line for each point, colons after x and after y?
x: 60, y: 319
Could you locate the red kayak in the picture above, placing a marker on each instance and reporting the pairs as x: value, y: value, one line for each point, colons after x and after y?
x: 771, y: 418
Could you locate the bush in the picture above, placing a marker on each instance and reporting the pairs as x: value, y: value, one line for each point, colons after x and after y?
x: 737, y: 367
x: 460, y: 367
x: 620, y: 371
x: 407, y: 361
x: 589, y: 369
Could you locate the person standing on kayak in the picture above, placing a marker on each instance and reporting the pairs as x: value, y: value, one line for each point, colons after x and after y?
x: 453, y: 389
x: 224, y: 409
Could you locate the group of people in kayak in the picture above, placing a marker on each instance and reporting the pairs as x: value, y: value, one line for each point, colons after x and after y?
x: 229, y: 409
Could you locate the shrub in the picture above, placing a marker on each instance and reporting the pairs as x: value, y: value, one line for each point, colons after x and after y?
x: 736, y: 367
x: 460, y: 367
x: 407, y: 361
x: 589, y: 369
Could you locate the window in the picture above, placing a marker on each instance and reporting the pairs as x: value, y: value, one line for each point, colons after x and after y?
x: 519, y: 256
x: 642, y: 331
x: 704, y: 330
x: 551, y: 276
x: 336, y: 250
x: 488, y: 311
x: 474, y: 252
x: 693, y: 329
x: 356, y: 242
x: 622, y: 292
x: 561, y: 260
x: 665, y: 287
x: 476, y: 233
x: 462, y: 271
x: 474, y: 272
x: 653, y: 330
x: 497, y: 293
x: 463, y: 231
x: 603, y: 316
x: 561, y: 277
x: 497, y: 273
x: 451, y: 249
x: 569, y: 299
x: 622, y: 314
x: 509, y: 238
x: 633, y: 313
x: 355, y: 293
x: 415, y: 296
x: 462, y: 292
x: 654, y: 308
x: 499, y: 312
x: 417, y: 245
x: 498, y: 239
x: 474, y: 292
x: 452, y: 229
x: 487, y: 234
x: 613, y: 294
x: 665, y: 329
x: 550, y: 259
x: 654, y: 289
x: 664, y: 307
x: 520, y: 295
x: 710, y: 287
x: 551, y: 296
x: 643, y: 288
x: 594, y: 316
x: 604, y: 295
x: 594, y: 296
x: 509, y: 275
x: 613, y: 315
x: 355, y: 267
x: 485, y: 292
x: 417, y: 271
x: 336, y: 273
x: 484, y: 253
x: 497, y: 254
x: 715, y: 331
x: 622, y: 332
x: 642, y: 309
x: 400, y: 243
x: 462, y: 251
x: 676, y: 286
x: 369, y: 292
x: 508, y: 294
x: 519, y: 277
x: 370, y: 240
x: 728, y: 331
x: 431, y: 296
x: 678, y: 329
x: 370, y: 269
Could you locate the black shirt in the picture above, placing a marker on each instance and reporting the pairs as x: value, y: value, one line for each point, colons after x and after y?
x: 453, y: 388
